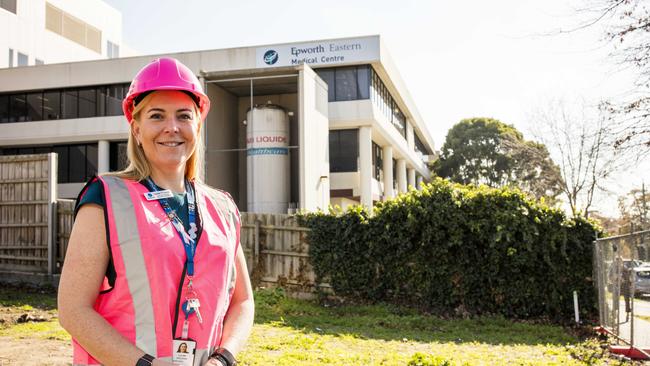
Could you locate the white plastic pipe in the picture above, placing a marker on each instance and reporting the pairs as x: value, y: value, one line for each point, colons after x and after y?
x: 575, y: 307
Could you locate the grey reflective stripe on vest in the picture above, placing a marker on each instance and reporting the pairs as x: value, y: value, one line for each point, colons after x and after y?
x: 134, y: 265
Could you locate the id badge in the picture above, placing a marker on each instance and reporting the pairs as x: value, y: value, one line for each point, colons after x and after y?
x: 183, y: 352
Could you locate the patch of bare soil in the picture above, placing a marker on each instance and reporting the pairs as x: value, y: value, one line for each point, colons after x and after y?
x: 34, y: 352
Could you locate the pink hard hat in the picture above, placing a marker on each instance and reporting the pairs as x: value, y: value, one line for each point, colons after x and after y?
x: 165, y: 73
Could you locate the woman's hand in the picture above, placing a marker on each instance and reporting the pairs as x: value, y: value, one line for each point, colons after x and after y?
x: 213, y: 362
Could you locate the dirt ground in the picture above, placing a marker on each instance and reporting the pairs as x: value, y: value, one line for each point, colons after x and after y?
x: 34, y: 352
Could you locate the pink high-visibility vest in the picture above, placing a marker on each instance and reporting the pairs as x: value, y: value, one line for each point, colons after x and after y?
x: 149, y: 257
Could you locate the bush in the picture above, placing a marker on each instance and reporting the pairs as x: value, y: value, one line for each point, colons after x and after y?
x: 460, y: 250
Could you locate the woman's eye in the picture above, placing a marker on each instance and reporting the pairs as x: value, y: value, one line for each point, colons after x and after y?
x: 156, y: 116
x: 185, y: 117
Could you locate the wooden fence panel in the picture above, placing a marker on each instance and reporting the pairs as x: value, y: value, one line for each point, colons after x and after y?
x: 64, y: 211
x: 27, y: 194
x: 277, y: 252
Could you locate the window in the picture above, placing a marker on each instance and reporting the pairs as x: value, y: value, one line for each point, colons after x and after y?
x: 114, y: 96
x: 76, y: 163
x: 328, y: 77
x: 112, y: 50
x: 4, y: 108
x: 34, y: 106
x: 87, y: 103
x: 419, y: 146
x: 104, y: 100
x: 23, y: 59
x: 377, y: 162
x: 52, y: 105
x: 387, y: 105
x: 363, y: 82
x: 8, y: 5
x: 17, y: 108
x: 346, y: 83
x: 11, y: 58
x: 395, y: 175
x: 70, y: 103
x: 38, y: 62
x: 344, y: 150
x: 64, y: 168
x: 118, y: 156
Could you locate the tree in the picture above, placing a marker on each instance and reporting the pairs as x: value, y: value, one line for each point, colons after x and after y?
x: 487, y: 151
x: 583, y: 147
x: 635, y: 209
x: 627, y: 27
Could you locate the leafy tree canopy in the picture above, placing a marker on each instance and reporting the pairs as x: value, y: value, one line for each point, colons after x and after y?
x: 488, y: 151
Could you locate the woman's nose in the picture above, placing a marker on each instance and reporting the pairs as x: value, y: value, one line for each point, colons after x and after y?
x: 172, y: 125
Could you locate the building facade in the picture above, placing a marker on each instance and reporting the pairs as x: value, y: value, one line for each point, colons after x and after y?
x: 35, y: 32
x: 297, y: 125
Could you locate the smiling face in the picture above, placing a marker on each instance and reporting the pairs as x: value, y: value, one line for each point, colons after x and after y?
x: 167, y: 129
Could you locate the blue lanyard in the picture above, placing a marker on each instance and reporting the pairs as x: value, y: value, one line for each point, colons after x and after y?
x: 189, y: 240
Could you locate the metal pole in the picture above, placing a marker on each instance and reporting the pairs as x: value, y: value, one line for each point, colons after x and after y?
x: 631, y: 299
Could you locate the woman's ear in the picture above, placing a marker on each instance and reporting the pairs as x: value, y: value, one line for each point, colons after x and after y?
x: 135, y: 131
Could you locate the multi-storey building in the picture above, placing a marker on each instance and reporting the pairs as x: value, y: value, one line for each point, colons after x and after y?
x: 292, y: 125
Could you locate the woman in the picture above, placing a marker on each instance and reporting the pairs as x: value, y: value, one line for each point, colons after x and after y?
x: 154, y: 259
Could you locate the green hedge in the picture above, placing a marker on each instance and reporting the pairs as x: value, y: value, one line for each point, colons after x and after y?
x: 458, y: 250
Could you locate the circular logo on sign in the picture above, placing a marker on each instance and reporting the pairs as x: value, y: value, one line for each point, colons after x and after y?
x: 270, y: 57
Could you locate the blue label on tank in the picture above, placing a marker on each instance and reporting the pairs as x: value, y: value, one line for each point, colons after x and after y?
x: 267, y: 151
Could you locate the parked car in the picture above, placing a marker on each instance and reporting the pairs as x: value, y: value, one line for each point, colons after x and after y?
x: 642, y: 281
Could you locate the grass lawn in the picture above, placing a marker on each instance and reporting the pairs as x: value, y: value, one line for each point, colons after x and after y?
x: 297, y: 332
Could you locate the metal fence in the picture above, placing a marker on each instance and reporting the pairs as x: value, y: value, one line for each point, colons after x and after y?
x: 622, y: 270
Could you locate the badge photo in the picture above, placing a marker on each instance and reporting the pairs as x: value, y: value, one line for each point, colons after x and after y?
x: 183, y: 352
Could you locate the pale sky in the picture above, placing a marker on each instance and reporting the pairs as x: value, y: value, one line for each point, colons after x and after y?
x: 459, y: 59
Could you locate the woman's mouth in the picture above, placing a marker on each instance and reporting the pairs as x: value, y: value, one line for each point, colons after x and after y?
x: 171, y: 143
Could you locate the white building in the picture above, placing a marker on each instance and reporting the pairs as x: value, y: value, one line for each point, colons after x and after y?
x: 34, y: 32
x: 346, y: 130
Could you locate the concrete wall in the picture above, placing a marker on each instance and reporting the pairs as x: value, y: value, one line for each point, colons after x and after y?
x: 221, y: 131
x: 65, y: 131
x: 313, y: 141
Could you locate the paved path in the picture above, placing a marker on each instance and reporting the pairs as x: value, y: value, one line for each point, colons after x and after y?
x: 641, y: 327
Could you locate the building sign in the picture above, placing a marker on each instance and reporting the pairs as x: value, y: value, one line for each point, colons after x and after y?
x: 319, y: 53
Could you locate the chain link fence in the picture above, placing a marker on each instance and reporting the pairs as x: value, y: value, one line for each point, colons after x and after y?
x: 622, y: 270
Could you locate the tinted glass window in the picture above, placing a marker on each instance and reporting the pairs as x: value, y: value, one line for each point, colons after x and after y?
x: 63, y: 163
x: 91, y: 161
x: 35, y: 106
x: 346, y: 83
x: 363, y: 82
x: 114, y: 100
x: 77, y: 162
x: 118, y: 157
x: 344, y: 150
x: 17, y: 108
x: 328, y: 77
x: 70, y: 103
x: 51, y: 105
x: 87, y: 103
x: 4, y: 108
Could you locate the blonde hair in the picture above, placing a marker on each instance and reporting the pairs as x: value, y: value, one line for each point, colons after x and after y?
x: 139, y: 167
